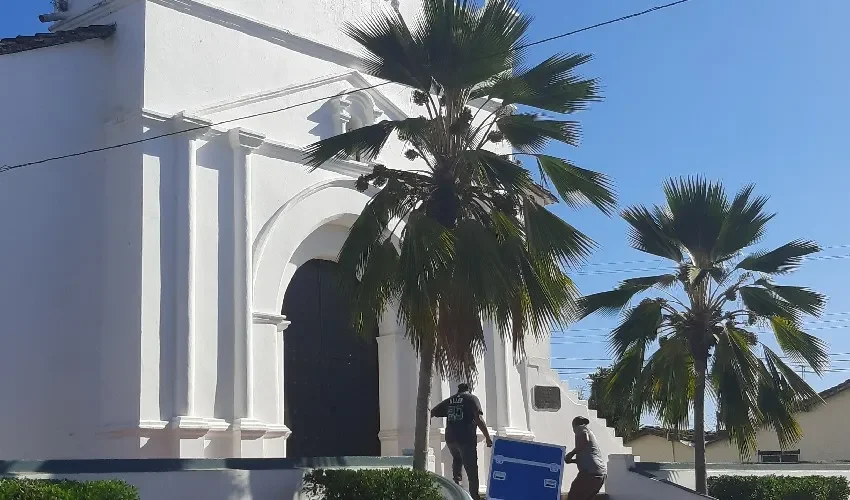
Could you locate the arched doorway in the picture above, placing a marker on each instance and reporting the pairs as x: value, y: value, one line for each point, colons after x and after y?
x: 330, y: 374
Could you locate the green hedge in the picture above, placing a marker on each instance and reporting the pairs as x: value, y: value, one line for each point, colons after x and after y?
x: 371, y: 484
x: 40, y: 489
x: 779, y: 488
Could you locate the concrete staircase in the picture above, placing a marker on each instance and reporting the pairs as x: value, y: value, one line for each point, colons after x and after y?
x: 592, y: 414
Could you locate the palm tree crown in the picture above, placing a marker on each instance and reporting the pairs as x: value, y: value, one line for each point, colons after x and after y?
x: 463, y: 236
x: 704, y: 323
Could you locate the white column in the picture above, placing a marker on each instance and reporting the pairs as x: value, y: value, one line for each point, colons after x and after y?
x: 266, y: 439
x: 388, y: 391
x: 185, y: 177
x: 243, y: 142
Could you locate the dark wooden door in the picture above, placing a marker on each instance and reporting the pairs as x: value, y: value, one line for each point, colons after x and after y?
x: 330, y: 373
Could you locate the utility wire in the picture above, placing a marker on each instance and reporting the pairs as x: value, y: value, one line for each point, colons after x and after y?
x: 671, y: 268
x: 662, y: 261
x: 7, y: 168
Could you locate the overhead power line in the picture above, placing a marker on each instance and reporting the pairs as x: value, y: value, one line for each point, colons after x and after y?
x: 671, y: 268
x: 7, y: 168
x: 662, y: 261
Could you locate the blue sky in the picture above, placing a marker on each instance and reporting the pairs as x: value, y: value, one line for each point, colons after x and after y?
x: 742, y: 92
x: 737, y: 91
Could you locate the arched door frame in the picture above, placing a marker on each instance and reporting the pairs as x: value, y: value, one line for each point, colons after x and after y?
x: 297, y: 232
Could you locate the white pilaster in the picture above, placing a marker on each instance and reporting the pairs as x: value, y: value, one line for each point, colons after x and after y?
x: 186, y: 173
x: 243, y: 142
x: 388, y: 390
x: 252, y: 437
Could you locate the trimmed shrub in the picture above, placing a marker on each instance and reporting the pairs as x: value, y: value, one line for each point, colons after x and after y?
x: 779, y: 487
x: 371, y: 484
x: 42, y: 489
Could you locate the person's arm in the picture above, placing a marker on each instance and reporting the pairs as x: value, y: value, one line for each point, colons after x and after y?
x: 439, y: 410
x: 479, y: 421
x: 581, y: 443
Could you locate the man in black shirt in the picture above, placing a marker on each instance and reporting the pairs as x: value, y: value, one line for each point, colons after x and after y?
x: 463, y: 415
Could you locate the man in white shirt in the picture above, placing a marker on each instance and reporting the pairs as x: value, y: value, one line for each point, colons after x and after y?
x: 587, y: 455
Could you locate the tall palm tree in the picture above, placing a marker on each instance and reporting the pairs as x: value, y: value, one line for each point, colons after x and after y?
x: 704, y: 316
x: 474, y: 241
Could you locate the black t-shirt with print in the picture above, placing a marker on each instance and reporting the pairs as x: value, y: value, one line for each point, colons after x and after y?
x: 460, y: 411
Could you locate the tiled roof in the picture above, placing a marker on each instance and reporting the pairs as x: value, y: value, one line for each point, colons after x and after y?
x: 832, y: 391
x: 684, y: 435
x: 41, y: 40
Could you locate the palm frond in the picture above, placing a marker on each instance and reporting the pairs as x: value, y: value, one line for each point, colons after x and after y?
x: 550, y: 238
x: 697, y: 211
x: 613, y: 301
x: 669, y: 378
x: 781, y: 394
x: 391, y: 52
x: 646, y: 282
x: 578, y: 186
x: 500, y: 172
x: 648, y: 233
x: 802, y: 299
x: 466, y: 44
x: 734, y: 381
x: 368, y: 140
x: 765, y: 304
x: 460, y: 335
x: 623, y: 382
x: 530, y: 133
x: 552, y: 85
x: 744, y: 224
x: 782, y: 260
x: 640, y: 324
x: 427, y: 250
x: 376, y: 287
x: 394, y: 201
x: 799, y: 345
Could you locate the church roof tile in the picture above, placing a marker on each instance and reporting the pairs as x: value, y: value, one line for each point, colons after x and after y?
x: 41, y: 40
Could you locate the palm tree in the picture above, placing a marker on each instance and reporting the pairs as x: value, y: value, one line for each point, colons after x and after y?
x: 474, y: 241
x: 616, y: 412
x: 704, y: 319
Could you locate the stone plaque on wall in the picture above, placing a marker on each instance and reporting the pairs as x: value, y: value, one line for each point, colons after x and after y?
x: 547, y: 397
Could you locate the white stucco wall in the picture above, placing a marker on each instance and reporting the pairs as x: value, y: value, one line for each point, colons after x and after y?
x: 54, y: 102
x: 149, y: 282
x: 623, y: 483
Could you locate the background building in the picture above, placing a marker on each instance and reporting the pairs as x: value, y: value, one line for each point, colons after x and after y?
x: 824, y: 439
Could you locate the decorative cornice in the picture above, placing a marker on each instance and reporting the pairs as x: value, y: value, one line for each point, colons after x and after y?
x: 184, y: 122
x: 199, y: 426
x: 244, y: 138
x: 269, y: 147
x: 277, y: 431
x: 355, y: 78
x: 278, y: 320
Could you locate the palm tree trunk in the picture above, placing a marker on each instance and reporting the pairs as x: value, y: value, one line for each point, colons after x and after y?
x: 423, y: 400
x: 700, y: 367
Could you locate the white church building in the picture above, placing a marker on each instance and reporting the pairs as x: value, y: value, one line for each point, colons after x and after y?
x: 171, y: 297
